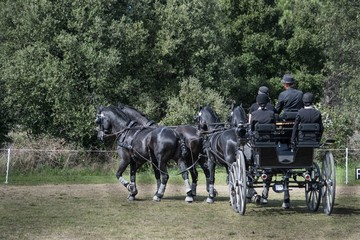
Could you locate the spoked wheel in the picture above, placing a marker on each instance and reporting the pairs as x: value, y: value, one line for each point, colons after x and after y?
x: 313, y: 189
x: 241, y: 187
x: 329, y: 178
x: 232, y: 186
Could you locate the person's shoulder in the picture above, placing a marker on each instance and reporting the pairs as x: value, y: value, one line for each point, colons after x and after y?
x: 283, y: 93
x: 253, y: 107
x: 270, y: 107
x: 316, y: 111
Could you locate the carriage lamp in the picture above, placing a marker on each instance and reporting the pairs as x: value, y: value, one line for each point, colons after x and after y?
x: 264, y: 176
x: 307, y: 176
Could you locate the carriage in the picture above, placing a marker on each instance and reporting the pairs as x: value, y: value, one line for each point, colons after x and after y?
x: 275, y: 164
x: 272, y: 162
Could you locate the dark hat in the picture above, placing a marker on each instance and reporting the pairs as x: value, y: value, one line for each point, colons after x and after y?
x: 288, y: 79
x: 308, y: 98
x: 263, y: 90
x: 262, y: 99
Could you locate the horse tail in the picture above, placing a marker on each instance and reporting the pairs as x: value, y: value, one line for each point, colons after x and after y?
x: 183, y: 148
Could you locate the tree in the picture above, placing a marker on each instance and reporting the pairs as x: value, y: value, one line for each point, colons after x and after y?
x: 63, y: 58
x: 341, y: 41
x: 183, y: 107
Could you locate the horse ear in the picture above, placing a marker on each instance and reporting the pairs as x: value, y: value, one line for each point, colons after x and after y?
x: 232, y: 104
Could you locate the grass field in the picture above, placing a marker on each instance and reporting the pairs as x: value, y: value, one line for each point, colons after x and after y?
x: 101, y: 211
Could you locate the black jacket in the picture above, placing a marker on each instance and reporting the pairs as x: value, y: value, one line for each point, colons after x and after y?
x: 262, y: 116
x: 306, y: 115
x: 291, y: 98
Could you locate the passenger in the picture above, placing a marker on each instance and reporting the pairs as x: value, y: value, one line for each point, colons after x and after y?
x: 291, y: 98
x: 262, y: 116
x: 308, y: 114
x: 255, y: 106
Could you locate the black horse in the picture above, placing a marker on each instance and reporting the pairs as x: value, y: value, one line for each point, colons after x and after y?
x: 192, y: 140
x: 237, y: 116
x: 222, y: 144
x: 138, y: 144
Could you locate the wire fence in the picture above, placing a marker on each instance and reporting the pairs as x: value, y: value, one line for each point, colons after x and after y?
x: 23, y: 161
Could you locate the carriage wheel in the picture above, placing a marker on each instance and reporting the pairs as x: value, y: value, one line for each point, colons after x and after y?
x: 232, y: 186
x: 329, y: 178
x: 313, y: 189
x: 241, y: 183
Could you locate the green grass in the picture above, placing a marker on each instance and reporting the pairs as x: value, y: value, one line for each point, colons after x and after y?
x: 84, y: 176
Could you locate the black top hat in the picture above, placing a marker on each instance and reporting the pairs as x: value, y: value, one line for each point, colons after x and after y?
x: 288, y: 79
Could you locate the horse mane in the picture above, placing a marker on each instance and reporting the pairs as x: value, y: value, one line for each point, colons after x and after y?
x: 122, y: 106
x: 116, y: 111
x: 125, y: 109
x: 241, y: 111
x: 211, y: 112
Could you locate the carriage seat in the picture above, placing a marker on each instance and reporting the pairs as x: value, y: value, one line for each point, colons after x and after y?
x: 309, y: 135
x: 289, y: 115
x: 264, y: 135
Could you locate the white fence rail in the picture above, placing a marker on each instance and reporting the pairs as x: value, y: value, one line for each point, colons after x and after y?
x: 344, y: 153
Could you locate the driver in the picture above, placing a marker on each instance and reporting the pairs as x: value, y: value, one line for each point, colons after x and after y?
x: 290, y: 98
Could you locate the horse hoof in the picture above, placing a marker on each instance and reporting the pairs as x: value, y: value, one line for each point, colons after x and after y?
x: 193, y: 189
x: 131, y: 198
x: 285, y: 205
x: 156, y: 198
x: 189, y: 199
x: 210, y: 200
x: 215, y: 193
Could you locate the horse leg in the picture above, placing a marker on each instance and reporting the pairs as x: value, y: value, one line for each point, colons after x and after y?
x: 211, y: 181
x: 251, y: 194
x: 194, y: 177
x: 185, y: 176
x: 157, y: 176
x: 286, y: 203
x: 265, y: 192
x: 124, y: 162
x: 131, y: 187
x: 162, y: 186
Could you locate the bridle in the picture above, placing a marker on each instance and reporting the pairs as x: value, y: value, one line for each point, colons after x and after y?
x: 100, y: 120
x: 102, y: 132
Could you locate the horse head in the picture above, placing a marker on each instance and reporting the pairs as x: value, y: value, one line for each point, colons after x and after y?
x: 237, y: 116
x: 110, y: 121
x: 206, y: 118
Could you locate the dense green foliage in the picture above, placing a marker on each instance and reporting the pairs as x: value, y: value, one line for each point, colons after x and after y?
x: 61, y: 59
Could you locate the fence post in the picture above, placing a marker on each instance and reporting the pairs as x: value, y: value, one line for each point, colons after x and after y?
x: 346, y: 165
x: 7, y: 167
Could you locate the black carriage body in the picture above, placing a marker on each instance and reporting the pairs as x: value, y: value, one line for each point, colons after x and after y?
x: 273, y: 149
